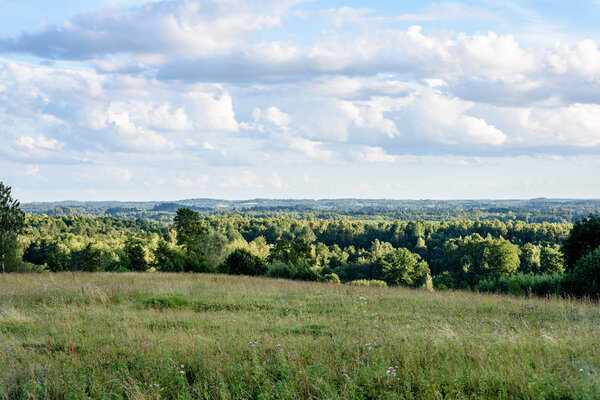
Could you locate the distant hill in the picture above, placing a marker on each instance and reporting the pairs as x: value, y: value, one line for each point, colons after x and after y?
x: 534, y: 210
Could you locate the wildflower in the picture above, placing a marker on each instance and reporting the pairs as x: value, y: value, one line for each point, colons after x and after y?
x: 392, y: 372
x: 182, y: 372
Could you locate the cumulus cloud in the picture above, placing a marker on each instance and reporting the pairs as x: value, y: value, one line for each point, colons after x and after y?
x: 165, y: 27
x: 209, y: 85
x: 581, y: 60
x: 88, y: 111
x: 311, y: 148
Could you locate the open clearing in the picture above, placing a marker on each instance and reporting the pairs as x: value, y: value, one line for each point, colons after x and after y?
x: 153, y: 335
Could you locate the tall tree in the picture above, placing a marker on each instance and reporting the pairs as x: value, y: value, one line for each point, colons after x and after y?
x: 189, y: 229
x: 12, y: 220
x: 583, y: 239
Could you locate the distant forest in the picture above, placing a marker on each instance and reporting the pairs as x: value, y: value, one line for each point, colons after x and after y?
x: 508, y: 255
x: 535, y: 210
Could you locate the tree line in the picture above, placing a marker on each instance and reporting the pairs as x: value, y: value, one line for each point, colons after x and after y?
x: 490, y: 255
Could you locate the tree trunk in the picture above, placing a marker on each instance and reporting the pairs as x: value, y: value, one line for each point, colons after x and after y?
x: 3, y: 271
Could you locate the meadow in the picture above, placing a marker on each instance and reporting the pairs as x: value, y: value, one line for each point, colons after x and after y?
x: 188, y: 336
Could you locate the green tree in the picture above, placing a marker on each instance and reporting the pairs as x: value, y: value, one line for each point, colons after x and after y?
x: 583, y: 239
x: 134, y: 257
x: 402, y: 267
x: 551, y: 260
x: 12, y: 220
x: 189, y: 229
x: 585, y: 278
x: 167, y: 259
x: 242, y: 262
x: 529, y: 258
x: 292, y: 252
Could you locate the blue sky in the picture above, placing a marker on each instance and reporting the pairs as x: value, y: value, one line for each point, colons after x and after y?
x: 163, y: 100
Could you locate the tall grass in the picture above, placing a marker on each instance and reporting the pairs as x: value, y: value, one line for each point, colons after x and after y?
x: 150, y: 336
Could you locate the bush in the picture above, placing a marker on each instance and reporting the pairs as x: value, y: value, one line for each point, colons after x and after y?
x: 519, y: 284
x: 585, y: 278
x: 352, y: 272
x: 166, y: 301
x: 298, y: 271
x: 402, y: 267
x: 445, y: 280
x: 332, y: 278
x: 242, y: 262
x: 583, y: 239
x: 368, y: 282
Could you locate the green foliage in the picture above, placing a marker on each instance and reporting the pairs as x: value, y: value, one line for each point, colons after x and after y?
x: 584, y: 280
x: 134, y: 256
x: 475, y: 257
x: 458, y: 254
x: 292, y: 252
x: 331, y: 278
x: 12, y: 220
x: 445, y: 280
x: 243, y: 262
x: 298, y: 271
x: 167, y: 259
x: 89, y: 258
x: 368, y: 282
x: 519, y: 284
x: 529, y: 258
x: 551, y: 260
x: 402, y: 268
x: 189, y: 229
x: 583, y: 239
x: 166, y: 301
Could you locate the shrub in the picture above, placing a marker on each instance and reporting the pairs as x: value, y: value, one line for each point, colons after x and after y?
x: 541, y: 285
x: 352, y: 272
x: 445, y: 280
x: 583, y: 239
x: 368, y: 282
x: 242, y: 262
x: 298, y: 271
x: 402, y: 267
x: 585, y: 278
x: 332, y: 278
x: 166, y: 301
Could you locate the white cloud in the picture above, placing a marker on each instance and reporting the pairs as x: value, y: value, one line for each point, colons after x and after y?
x: 193, y: 182
x: 582, y: 60
x: 118, y: 174
x: 32, y: 170
x: 376, y: 155
x: 170, y: 27
x: 39, y: 143
x: 312, y: 149
x: 243, y: 180
x: 275, y: 180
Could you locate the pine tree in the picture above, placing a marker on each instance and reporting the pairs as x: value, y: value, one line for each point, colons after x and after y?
x: 12, y: 220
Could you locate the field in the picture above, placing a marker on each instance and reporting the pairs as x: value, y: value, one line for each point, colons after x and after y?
x: 153, y: 335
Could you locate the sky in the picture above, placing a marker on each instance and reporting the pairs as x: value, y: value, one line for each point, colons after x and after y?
x: 166, y: 100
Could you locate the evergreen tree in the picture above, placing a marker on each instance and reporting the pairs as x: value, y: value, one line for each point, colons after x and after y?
x: 12, y: 220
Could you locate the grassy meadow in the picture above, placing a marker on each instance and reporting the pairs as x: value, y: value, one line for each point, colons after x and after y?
x: 167, y: 336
